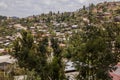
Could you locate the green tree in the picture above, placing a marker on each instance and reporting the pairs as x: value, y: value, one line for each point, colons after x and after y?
x: 57, y: 67
x: 28, y: 54
x: 35, y: 57
x: 92, y: 52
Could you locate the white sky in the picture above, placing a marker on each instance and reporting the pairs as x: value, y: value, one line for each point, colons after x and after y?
x: 24, y: 8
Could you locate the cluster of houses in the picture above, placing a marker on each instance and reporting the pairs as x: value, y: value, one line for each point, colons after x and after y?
x: 6, y: 40
x: 61, y: 31
x: 107, y: 10
x: 39, y: 29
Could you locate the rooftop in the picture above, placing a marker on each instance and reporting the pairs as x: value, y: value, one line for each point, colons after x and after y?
x: 7, y: 59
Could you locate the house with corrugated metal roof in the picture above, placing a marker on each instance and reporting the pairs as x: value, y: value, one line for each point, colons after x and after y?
x: 116, y: 74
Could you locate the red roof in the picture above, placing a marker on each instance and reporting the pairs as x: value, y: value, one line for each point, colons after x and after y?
x: 116, y: 74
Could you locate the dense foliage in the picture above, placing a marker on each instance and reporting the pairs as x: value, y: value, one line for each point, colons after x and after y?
x: 37, y: 56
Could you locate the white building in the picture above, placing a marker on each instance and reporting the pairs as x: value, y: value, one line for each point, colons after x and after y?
x: 6, y: 63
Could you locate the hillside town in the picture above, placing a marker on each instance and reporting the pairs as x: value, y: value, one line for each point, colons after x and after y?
x: 64, y: 44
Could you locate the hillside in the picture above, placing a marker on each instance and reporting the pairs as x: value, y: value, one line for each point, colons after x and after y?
x: 58, y: 24
x: 79, y: 45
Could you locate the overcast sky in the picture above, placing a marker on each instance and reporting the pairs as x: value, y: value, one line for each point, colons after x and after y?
x: 24, y: 8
